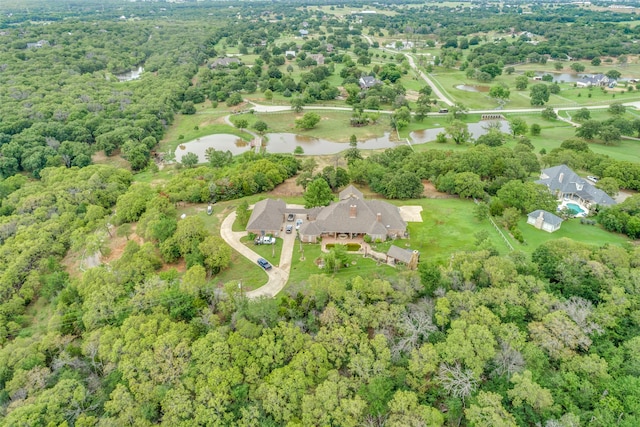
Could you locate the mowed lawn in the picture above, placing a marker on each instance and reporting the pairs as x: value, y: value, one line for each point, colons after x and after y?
x: 448, y: 226
x: 302, y: 268
x: 590, y: 234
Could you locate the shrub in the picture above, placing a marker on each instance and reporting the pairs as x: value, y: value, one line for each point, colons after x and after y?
x: 367, y: 238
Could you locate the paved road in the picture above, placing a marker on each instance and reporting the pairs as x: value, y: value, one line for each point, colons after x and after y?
x: 278, y: 276
x: 424, y: 77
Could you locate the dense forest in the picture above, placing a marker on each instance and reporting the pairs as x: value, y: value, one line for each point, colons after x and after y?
x: 547, y: 338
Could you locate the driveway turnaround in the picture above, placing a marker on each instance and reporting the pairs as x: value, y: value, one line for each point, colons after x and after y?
x: 278, y: 276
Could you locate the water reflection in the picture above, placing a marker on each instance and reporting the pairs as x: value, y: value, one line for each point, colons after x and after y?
x: 469, y: 88
x: 287, y: 142
x: 562, y: 77
x: 220, y: 141
x: 475, y: 129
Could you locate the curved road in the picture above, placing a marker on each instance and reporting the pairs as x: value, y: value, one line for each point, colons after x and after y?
x: 424, y: 77
x: 278, y: 276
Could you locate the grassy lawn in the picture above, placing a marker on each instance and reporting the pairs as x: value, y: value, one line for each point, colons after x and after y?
x: 333, y: 126
x: 366, y: 267
x: 269, y: 252
x: 572, y: 229
x: 251, y: 274
x: 448, y: 226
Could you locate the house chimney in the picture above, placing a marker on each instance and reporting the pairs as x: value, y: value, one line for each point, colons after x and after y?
x: 561, y: 177
x: 379, y: 217
x: 352, y: 211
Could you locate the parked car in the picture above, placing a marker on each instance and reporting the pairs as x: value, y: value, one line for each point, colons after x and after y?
x: 593, y: 178
x: 290, y: 217
x: 298, y: 224
x: 289, y: 229
x: 264, y: 240
x: 264, y: 263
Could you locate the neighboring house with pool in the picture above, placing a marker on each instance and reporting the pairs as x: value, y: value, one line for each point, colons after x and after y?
x: 573, y: 192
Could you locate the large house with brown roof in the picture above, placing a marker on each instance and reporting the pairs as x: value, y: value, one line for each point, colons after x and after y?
x: 351, y: 216
x: 354, y: 216
x: 267, y: 217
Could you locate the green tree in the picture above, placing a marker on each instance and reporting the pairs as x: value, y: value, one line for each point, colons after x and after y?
x: 535, y: 129
x: 518, y: 126
x: 352, y: 154
x: 243, y: 213
x: 549, y: 114
x: 458, y: 131
x: 297, y: 104
x: 241, y: 123
x: 404, y: 185
x: 216, y: 253
x: 613, y: 74
x: 609, y: 134
x: 577, y: 67
x: 190, y: 160
x: 260, y: 126
x: 522, y: 82
x: 617, y: 109
x: 499, y: 92
x: 581, y: 115
x: 488, y: 411
x: 308, y: 121
x: 525, y: 390
x: 218, y: 158
x: 589, y: 129
x: 609, y: 185
x: 318, y: 193
x: 539, y: 94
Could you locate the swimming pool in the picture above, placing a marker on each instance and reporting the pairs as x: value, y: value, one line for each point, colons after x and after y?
x: 575, y: 209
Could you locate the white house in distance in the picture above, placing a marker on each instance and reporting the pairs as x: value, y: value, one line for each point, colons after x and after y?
x: 544, y: 220
x: 596, y: 80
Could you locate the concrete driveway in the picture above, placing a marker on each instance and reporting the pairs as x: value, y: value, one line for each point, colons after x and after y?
x: 278, y: 276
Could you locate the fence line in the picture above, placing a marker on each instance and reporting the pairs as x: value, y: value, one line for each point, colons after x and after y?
x: 496, y: 227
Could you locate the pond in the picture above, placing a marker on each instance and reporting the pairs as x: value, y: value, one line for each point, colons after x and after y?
x: 474, y: 88
x: 562, y: 77
x: 130, y: 75
x: 278, y: 143
x: 476, y: 130
x: 287, y: 142
x: 220, y: 141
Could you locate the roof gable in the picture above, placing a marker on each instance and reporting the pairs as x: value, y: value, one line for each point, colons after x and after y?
x: 267, y: 214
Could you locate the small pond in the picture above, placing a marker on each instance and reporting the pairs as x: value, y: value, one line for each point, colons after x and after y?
x: 220, y: 141
x: 130, y: 75
x: 476, y: 130
x: 287, y: 142
x: 562, y: 77
x: 474, y: 88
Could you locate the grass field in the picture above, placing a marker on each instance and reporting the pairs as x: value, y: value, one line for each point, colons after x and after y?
x: 333, y: 126
x: 269, y: 252
x: 448, y: 226
x: 589, y: 234
x: 301, y: 269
